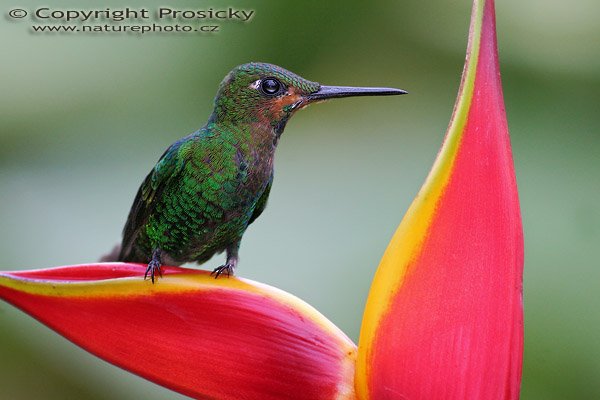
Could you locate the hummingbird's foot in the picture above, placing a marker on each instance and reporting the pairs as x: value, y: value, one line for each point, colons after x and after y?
x: 230, y: 264
x: 154, y: 266
x: 228, y: 269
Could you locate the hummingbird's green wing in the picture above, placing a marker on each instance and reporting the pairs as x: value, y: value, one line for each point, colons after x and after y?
x: 167, y: 169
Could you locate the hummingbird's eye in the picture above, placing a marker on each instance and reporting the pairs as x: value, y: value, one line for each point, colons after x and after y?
x: 270, y: 86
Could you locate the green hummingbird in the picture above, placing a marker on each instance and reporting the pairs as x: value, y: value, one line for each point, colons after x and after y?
x: 209, y: 186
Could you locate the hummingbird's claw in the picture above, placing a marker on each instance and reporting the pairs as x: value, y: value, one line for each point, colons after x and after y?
x: 230, y: 263
x: 154, y: 266
x: 227, y: 269
x: 152, y: 270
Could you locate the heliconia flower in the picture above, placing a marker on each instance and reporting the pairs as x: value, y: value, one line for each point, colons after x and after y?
x: 443, y: 320
x: 444, y: 317
x: 203, y: 337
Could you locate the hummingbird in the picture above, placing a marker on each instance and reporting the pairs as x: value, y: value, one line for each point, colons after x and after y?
x: 207, y: 187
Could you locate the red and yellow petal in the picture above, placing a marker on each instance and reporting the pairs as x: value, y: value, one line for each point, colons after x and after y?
x: 444, y: 317
x: 203, y: 337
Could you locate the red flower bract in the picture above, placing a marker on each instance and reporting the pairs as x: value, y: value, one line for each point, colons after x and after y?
x: 444, y: 318
x: 225, y: 338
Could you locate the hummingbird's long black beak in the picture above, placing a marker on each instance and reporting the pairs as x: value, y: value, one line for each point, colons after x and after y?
x: 330, y: 92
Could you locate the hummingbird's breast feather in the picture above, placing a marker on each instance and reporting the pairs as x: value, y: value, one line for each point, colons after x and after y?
x: 212, y: 202
x: 200, y: 196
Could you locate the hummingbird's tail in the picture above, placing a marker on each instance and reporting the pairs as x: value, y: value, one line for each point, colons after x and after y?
x: 113, y: 255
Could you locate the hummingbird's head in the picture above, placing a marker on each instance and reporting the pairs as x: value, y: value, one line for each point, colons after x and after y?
x: 267, y: 95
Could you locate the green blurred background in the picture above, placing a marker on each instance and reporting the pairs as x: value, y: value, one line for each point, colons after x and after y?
x: 83, y: 118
